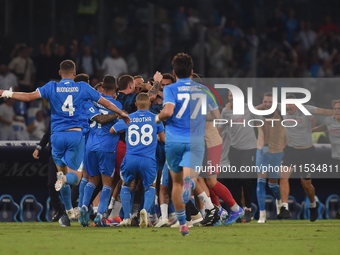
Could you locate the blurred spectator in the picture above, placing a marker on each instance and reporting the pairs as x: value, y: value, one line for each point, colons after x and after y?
x: 7, y: 117
x: 23, y: 67
x: 276, y: 28
x: 60, y: 54
x: 233, y: 30
x: 114, y: 64
x: 306, y: 36
x: 323, y: 51
x: 94, y: 82
x: 328, y: 26
x: 20, y: 129
x: 88, y: 63
x: 37, y: 127
x: 7, y: 79
x: 292, y: 26
x: 43, y: 62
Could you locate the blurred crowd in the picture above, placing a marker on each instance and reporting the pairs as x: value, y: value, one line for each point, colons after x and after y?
x: 262, y: 39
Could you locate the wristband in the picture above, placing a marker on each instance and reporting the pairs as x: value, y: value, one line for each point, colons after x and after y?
x: 157, y: 120
x: 38, y: 147
x: 7, y: 93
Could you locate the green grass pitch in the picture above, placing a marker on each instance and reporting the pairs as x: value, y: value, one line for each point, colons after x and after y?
x: 274, y: 237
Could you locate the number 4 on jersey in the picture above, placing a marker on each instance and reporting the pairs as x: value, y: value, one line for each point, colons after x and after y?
x: 68, y: 105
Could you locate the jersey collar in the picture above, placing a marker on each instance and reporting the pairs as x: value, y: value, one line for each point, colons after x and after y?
x: 67, y: 79
x: 186, y: 81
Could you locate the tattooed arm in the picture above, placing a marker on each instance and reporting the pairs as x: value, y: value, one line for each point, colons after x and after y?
x: 102, y: 119
x: 154, y: 90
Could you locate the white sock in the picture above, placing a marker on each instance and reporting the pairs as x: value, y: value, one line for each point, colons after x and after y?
x: 235, y: 208
x: 206, y: 200
x: 101, y: 216
x: 115, y: 210
x: 312, y: 205
x: 95, y: 209
x: 285, y: 205
x: 164, y: 211
x: 112, y: 202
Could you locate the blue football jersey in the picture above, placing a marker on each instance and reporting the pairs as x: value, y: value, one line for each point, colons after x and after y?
x: 100, y: 138
x: 67, y: 99
x: 192, y: 101
x: 141, y: 134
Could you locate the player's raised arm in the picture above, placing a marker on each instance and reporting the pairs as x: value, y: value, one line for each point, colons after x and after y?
x: 107, y: 104
x: 325, y: 112
x: 103, y: 119
x: 158, y: 77
x: 21, y: 96
x: 320, y: 128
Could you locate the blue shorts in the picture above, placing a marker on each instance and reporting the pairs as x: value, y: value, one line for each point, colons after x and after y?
x: 160, y: 155
x: 143, y: 167
x: 99, y: 162
x: 68, y: 149
x: 271, y: 161
x: 179, y: 155
x: 165, y: 175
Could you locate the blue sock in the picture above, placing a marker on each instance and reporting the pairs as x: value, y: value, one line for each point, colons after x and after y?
x: 275, y: 188
x: 261, y: 193
x: 125, y: 197
x: 72, y: 179
x: 149, y: 200
x: 133, y: 192
x: 88, y: 191
x: 82, y: 185
x: 104, y: 199
x: 171, y: 208
x: 181, y: 217
x: 121, y: 213
x: 65, y: 193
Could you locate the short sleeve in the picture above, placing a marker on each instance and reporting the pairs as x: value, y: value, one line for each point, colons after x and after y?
x: 91, y: 93
x: 169, y: 96
x: 160, y: 128
x: 91, y: 110
x: 120, y: 125
x: 118, y: 104
x: 46, y: 90
x: 327, y: 120
x: 212, y: 104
